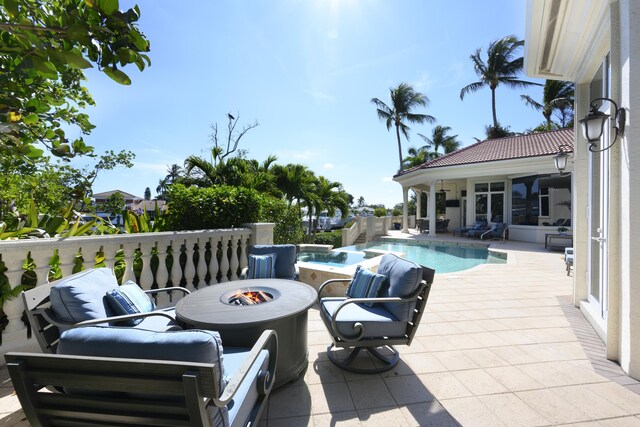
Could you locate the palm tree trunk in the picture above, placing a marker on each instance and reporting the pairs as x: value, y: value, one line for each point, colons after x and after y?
x: 493, y: 108
x: 399, y: 146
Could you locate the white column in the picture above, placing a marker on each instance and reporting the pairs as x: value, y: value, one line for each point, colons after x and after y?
x: 418, y: 203
x: 405, y: 209
x: 432, y: 208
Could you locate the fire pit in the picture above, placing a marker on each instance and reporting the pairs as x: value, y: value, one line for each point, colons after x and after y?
x: 241, y: 310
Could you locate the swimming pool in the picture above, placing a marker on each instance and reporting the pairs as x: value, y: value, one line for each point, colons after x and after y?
x: 442, y: 257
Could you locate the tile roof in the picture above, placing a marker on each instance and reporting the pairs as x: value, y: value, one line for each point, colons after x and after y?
x: 508, y: 148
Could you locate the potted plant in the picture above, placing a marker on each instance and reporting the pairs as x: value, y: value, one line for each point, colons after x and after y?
x: 562, y: 230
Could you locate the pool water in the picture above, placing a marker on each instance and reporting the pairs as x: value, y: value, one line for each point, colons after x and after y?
x: 441, y: 257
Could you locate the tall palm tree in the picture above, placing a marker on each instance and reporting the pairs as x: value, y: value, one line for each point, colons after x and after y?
x: 558, y: 97
x: 501, y: 67
x: 439, y: 139
x: 404, y: 99
x: 174, y: 172
x: 416, y: 157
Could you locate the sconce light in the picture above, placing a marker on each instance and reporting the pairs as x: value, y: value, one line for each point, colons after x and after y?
x: 593, y: 124
x: 562, y: 159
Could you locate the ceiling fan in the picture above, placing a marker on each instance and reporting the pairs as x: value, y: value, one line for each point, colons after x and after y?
x: 442, y: 190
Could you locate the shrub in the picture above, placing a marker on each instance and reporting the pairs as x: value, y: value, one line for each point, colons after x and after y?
x: 331, y: 238
x: 221, y: 206
x: 288, y: 228
x: 380, y: 212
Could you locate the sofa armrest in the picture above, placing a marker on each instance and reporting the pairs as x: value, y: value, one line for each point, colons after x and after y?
x: 267, y: 341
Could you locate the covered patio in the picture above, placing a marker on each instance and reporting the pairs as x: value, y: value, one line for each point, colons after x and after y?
x: 498, y: 345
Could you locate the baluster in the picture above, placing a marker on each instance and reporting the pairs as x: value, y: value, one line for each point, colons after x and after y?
x: 162, y: 275
x: 242, y: 242
x: 129, y: 250
x: 213, y: 263
x: 224, y: 262
x: 13, y: 307
x: 202, y: 264
x: 234, y: 243
x: 41, y: 258
x: 88, y: 252
x: 189, y: 268
x: 146, y: 275
x: 176, y: 270
x: 67, y: 255
x: 110, y: 252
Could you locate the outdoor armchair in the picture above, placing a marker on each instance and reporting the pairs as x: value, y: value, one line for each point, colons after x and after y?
x: 379, y: 320
x: 568, y: 259
x: 497, y: 231
x: 272, y: 262
x: 123, y: 377
x: 80, y: 300
x: 478, y: 228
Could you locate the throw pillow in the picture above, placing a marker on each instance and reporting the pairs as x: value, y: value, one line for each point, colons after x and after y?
x: 365, y: 284
x: 262, y: 266
x: 130, y: 299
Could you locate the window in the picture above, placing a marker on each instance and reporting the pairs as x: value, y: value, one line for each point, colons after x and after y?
x: 490, y: 200
x: 541, y: 200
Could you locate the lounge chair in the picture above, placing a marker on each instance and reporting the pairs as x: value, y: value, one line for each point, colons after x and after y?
x: 463, y: 231
x: 380, y: 309
x: 478, y: 228
x: 497, y: 231
x: 568, y: 259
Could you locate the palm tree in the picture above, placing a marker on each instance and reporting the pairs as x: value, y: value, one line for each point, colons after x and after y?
x: 440, y: 139
x: 416, y: 157
x: 174, y: 173
x: 558, y: 97
x: 404, y: 99
x: 502, y: 67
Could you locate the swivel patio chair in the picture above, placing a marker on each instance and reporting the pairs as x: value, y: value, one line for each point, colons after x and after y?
x: 81, y: 300
x: 380, y: 310
x: 478, y: 228
x: 497, y: 231
x: 272, y: 262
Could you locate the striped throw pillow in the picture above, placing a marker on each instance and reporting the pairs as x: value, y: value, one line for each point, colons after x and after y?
x: 129, y: 299
x: 262, y: 266
x: 365, y: 284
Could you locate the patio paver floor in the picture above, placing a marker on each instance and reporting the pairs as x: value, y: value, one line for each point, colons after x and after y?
x: 499, y: 345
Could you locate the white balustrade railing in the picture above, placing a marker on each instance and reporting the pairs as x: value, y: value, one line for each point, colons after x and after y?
x: 198, y: 258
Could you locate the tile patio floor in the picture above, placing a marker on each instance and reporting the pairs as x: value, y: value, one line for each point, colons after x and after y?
x: 499, y: 345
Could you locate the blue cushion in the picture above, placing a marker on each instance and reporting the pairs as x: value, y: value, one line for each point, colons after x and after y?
x: 129, y: 299
x: 377, y: 320
x: 365, y: 284
x: 132, y: 343
x: 262, y: 266
x: 82, y: 296
x: 404, y: 278
x: 286, y: 258
x: 247, y: 393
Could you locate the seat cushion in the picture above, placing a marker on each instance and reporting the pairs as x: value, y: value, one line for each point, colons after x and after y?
x: 133, y: 343
x: 243, y: 402
x: 377, y: 321
x: 262, y: 266
x: 404, y: 278
x: 286, y: 258
x: 82, y: 296
x: 365, y: 284
x: 129, y: 299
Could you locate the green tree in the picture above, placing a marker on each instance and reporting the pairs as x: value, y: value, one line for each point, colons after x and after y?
x: 416, y: 157
x: 440, y: 140
x: 147, y: 193
x: 502, y: 66
x: 174, y: 173
x: 557, y: 97
x: 404, y: 100
x: 114, y: 205
x: 45, y: 47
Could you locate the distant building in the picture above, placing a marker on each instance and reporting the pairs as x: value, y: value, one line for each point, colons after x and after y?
x: 129, y: 199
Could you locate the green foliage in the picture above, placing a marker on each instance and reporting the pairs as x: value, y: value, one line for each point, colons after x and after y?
x: 380, y: 212
x: 288, y: 227
x: 222, y: 206
x: 45, y: 47
x: 494, y: 132
x: 329, y: 238
x: 397, y: 211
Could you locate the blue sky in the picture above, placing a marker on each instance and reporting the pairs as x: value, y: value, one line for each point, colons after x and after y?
x: 306, y: 70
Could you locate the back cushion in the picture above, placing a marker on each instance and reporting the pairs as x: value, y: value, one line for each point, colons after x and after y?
x: 262, y: 266
x: 129, y: 299
x: 286, y: 258
x: 365, y: 284
x: 404, y: 278
x: 82, y: 296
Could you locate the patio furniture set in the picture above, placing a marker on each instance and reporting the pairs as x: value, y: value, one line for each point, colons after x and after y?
x: 481, y: 230
x: 109, y: 356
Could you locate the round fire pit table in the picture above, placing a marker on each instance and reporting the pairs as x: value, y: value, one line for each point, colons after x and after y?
x: 282, y: 307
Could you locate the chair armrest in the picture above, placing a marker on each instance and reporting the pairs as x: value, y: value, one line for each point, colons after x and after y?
x: 358, y: 325
x: 269, y: 341
x: 59, y: 324
x: 243, y: 273
x: 328, y: 282
x: 173, y: 288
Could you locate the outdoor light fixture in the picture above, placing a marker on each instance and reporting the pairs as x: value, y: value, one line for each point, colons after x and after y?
x: 562, y: 158
x: 593, y: 124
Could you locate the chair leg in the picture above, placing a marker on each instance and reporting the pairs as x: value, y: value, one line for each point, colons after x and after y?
x: 389, y: 361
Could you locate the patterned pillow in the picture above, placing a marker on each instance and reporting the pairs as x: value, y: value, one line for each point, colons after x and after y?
x: 262, y: 266
x: 365, y: 284
x: 130, y: 299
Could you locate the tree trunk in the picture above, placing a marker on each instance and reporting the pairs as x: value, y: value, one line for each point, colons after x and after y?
x: 493, y: 107
x: 399, y: 146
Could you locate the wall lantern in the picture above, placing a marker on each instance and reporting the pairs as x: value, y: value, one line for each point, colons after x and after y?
x: 562, y: 158
x: 593, y: 124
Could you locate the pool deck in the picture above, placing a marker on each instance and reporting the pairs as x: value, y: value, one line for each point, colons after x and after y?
x: 499, y: 345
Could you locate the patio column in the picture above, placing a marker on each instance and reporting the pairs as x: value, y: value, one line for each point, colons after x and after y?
x: 418, y: 203
x: 432, y: 208
x: 405, y: 209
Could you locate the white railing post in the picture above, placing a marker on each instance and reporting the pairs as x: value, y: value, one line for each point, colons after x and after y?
x: 13, y: 308
x: 176, y: 270
x: 189, y: 268
x: 224, y: 262
x: 201, y: 270
x: 128, y: 250
x: 214, y: 265
x: 162, y: 275
x: 146, y: 275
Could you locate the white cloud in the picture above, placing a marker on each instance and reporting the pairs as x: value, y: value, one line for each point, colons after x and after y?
x: 425, y: 82
x: 328, y: 165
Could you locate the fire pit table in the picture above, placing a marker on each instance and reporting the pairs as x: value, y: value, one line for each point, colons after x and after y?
x: 241, y: 310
